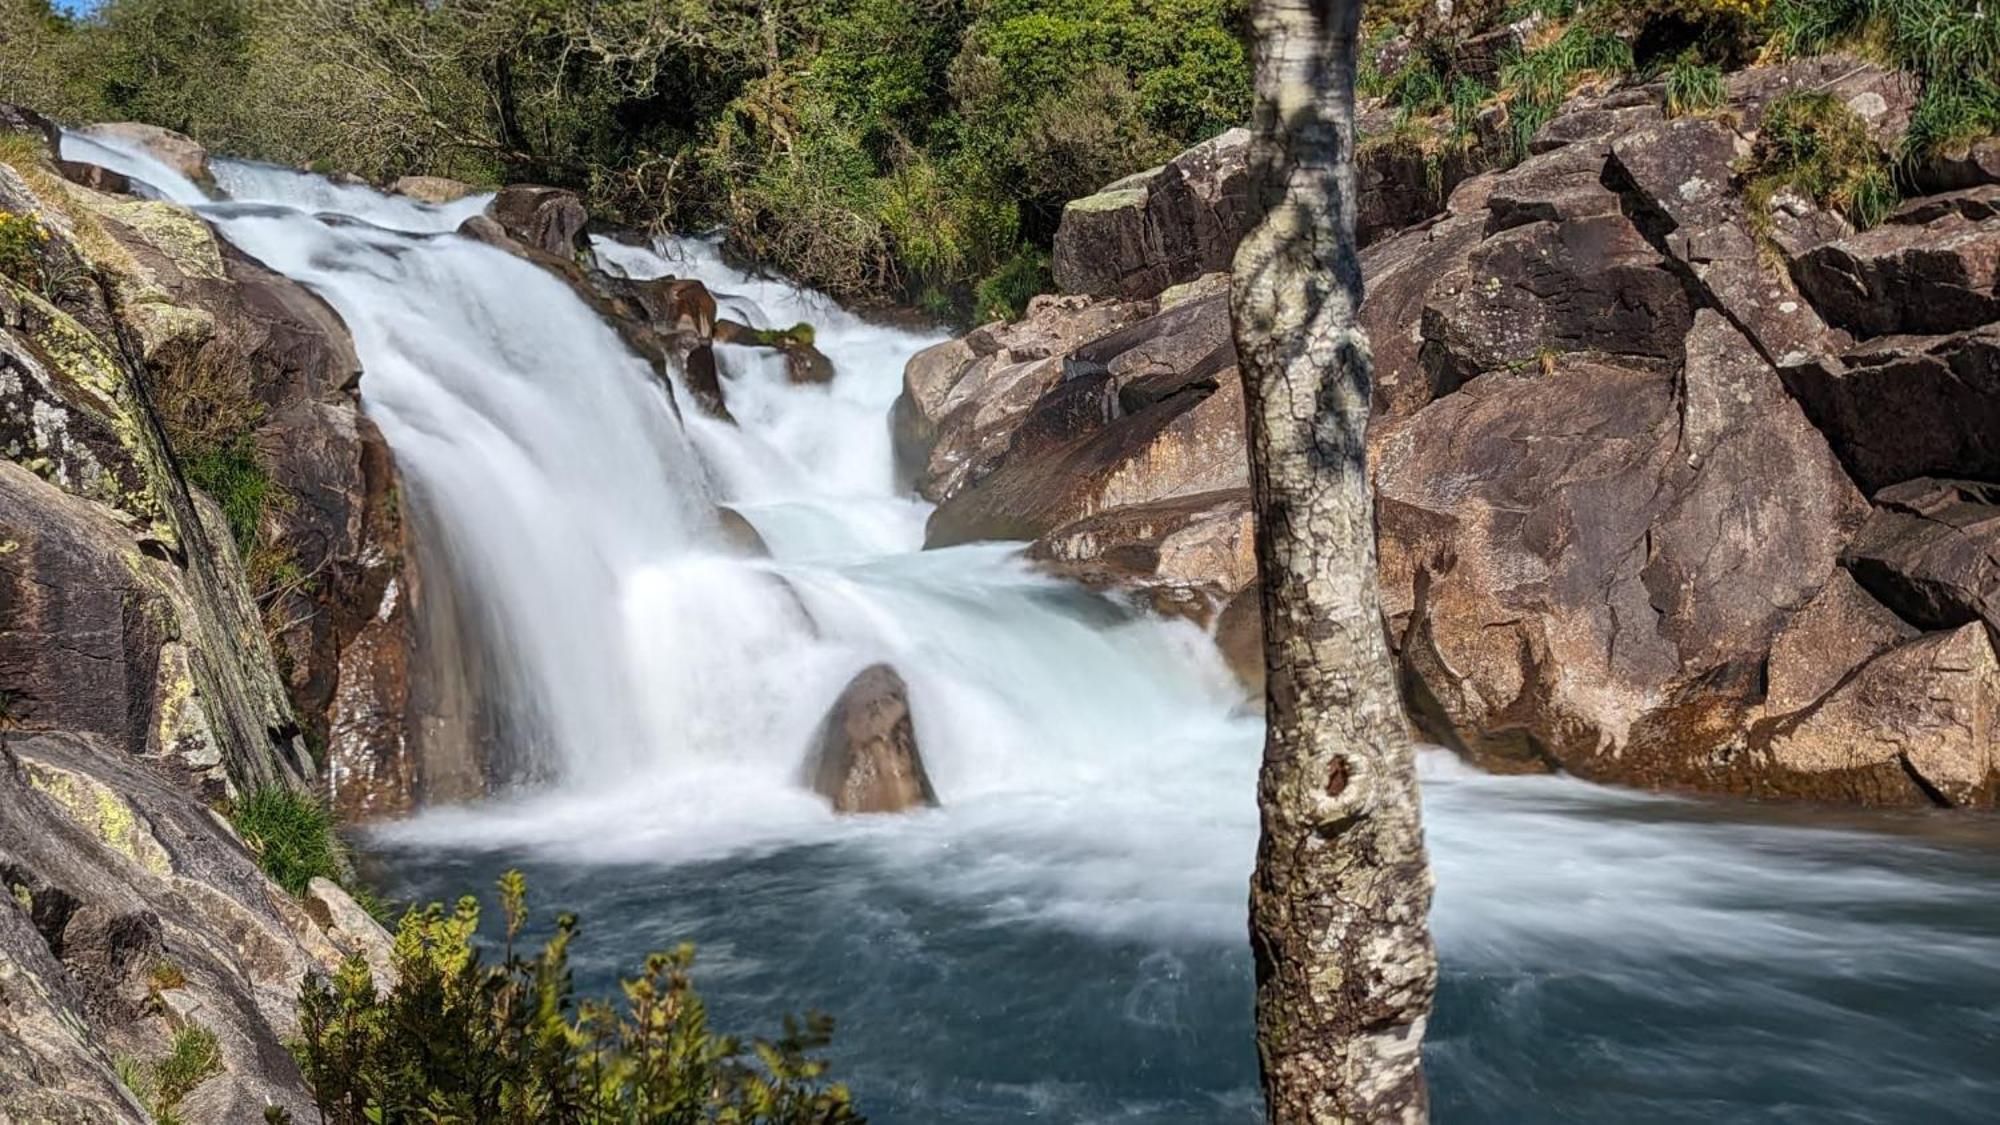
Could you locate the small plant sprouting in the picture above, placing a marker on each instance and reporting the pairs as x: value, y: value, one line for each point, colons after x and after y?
x: 1694, y: 87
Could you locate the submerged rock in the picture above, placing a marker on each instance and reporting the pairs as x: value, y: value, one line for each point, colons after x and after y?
x: 867, y: 760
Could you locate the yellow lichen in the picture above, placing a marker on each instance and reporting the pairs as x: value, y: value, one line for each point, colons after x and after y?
x: 94, y: 807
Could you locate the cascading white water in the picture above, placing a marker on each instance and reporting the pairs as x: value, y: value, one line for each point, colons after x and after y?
x: 1063, y: 940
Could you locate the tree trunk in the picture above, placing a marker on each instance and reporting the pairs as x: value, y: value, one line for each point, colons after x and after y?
x: 1338, y: 903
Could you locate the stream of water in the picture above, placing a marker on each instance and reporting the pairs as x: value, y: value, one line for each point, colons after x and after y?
x: 1064, y: 939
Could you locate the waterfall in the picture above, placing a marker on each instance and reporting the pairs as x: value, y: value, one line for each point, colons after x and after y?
x: 654, y: 675
x: 1064, y: 938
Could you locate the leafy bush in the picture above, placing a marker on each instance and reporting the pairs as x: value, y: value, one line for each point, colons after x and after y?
x: 459, y: 1039
x: 291, y: 834
x: 1813, y: 144
x: 1004, y: 294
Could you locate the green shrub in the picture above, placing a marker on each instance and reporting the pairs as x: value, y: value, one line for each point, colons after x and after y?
x: 1813, y: 144
x: 509, y: 1043
x: 1004, y: 294
x: 291, y: 834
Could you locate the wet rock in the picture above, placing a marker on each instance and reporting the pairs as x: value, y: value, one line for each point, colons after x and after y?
x: 867, y: 760
x: 1900, y: 407
x: 1239, y: 634
x: 432, y: 189
x: 805, y: 364
x: 1935, y: 271
x: 1916, y: 725
x: 551, y: 220
x: 1158, y: 228
x: 182, y: 154
x: 1186, y: 555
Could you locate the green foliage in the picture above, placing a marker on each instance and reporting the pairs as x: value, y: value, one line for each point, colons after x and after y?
x: 461, y: 1039
x: 22, y: 238
x: 175, y: 63
x: 192, y: 1057
x: 1694, y: 87
x: 291, y: 834
x: 1004, y: 294
x: 1535, y: 83
x: 1813, y: 144
x: 231, y: 475
x: 1951, y: 46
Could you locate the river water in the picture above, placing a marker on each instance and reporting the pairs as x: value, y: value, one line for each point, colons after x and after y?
x: 1064, y: 939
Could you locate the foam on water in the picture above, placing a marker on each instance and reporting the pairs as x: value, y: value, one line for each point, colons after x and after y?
x: 1064, y: 938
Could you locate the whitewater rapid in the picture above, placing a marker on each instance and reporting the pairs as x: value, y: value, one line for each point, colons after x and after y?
x: 1064, y: 938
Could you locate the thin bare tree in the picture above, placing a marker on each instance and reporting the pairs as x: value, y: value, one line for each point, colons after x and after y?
x: 1340, y: 900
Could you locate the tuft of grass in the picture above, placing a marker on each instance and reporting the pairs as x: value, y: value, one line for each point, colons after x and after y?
x: 292, y: 836
x: 1694, y: 87
x: 1952, y: 47
x: 1813, y: 144
x: 167, y: 976
x: 192, y: 1057
x: 1534, y: 84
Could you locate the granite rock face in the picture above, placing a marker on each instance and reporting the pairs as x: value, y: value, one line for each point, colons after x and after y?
x: 1668, y: 493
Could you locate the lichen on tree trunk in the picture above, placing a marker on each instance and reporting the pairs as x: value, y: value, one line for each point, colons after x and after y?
x: 1340, y: 899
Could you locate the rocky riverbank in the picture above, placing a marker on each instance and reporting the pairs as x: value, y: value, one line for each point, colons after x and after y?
x: 1681, y: 482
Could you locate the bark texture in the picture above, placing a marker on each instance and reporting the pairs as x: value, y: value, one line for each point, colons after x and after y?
x: 1341, y: 894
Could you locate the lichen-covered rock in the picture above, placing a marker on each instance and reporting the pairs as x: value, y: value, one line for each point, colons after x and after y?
x: 867, y: 760
x: 1158, y: 228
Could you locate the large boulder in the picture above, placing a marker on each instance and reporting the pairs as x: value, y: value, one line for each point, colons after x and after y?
x: 1582, y: 570
x: 1932, y: 269
x: 867, y: 759
x: 961, y: 399
x: 1158, y: 228
x: 1186, y: 555
x: 1127, y: 425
